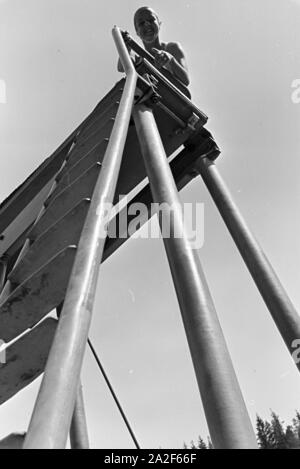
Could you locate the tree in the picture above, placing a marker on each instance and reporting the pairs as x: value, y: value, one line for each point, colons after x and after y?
x: 292, y: 441
x: 296, y: 425
x: 193, y: 446
x: 201, y: 443
x: 278, y: 432
x: 264, y: 434
x: 270, y: 435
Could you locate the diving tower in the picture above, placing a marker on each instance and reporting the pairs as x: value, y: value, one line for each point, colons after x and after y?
x: 54, y: 237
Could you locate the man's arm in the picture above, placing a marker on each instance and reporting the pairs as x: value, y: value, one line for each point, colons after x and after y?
x: 177, y: 63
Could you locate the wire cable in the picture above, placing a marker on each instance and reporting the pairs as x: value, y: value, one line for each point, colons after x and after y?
x: 113, y: 394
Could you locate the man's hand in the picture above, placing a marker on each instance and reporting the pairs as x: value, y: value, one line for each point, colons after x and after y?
x: 126, y: 37
x: 162, y: 58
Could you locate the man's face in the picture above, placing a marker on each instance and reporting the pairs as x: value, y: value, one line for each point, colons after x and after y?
x: 147, y: 25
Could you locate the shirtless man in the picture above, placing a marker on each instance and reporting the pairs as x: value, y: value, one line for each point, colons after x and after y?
x: 168, y: 55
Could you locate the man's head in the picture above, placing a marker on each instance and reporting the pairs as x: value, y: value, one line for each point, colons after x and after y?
x: 147, y: 24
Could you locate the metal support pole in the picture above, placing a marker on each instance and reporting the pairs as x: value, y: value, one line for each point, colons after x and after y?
x: 279, y: 304
x: 78, y: 431
x: 51, y: 419
x: 225, y: 410
x: 3, y: 269
x: 79, y: 437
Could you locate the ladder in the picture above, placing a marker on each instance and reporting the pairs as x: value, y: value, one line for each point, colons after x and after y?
x: 55, y: 236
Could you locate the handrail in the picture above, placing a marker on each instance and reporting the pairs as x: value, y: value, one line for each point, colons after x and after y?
x: 149, y: 57
x: 172, y: 87
x: 123, y: 51
x: 51, y: 418
x: 164, y: 75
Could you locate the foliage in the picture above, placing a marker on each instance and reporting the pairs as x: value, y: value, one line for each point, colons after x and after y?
x: 275, y: 435
x: 271, y: 434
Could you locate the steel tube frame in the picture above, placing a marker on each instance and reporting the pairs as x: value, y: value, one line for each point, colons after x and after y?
x: 3, y: 269
x: 225, y: 410
x: 79, y: 438
x: 51, y: 419
x: 275, y: 297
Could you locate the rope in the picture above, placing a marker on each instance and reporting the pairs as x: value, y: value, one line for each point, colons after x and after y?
x: 113, y: 394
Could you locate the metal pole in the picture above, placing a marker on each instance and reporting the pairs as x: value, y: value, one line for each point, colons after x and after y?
x: 51, y: 419
x: 225, y: 410
x: 79, y: 437
x: 279, y: 304
x: 3, y: 269
x: 78, y: 431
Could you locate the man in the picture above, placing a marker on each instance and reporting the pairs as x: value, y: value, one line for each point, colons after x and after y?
x: 167, y: 55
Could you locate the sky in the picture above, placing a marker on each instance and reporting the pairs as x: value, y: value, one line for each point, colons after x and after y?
x: 57, y: 61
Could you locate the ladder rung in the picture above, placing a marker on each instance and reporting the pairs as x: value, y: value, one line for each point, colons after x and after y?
x: 67, y: 177
x: 114, y: 95
x: 98, y: 121
x: 64, y: 201
x: 82, y: 149
x: 25, y: 359
x: 64, y: 233
x: 37, y: 296
x: 70, y: 173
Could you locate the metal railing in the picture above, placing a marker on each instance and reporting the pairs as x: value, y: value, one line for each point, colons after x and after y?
x: 51, y: 418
